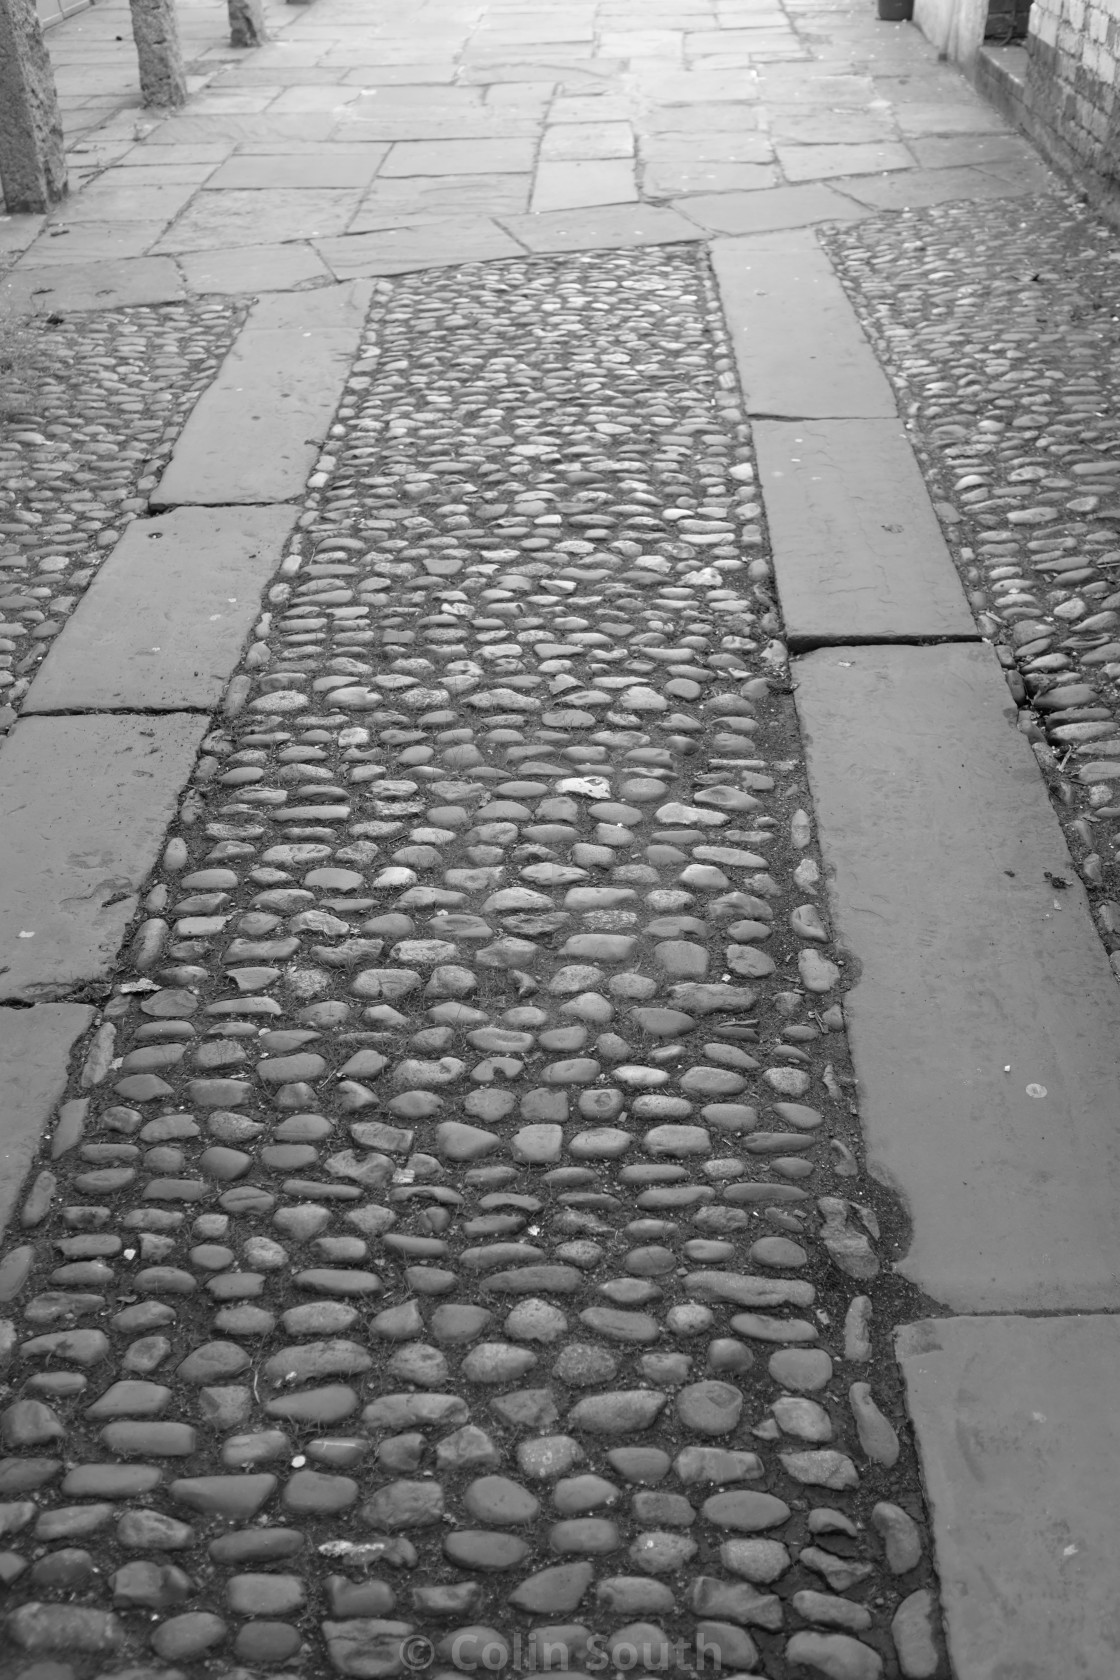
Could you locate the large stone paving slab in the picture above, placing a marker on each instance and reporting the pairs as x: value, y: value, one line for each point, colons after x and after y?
x: 1019, y: 1438
x: 662, y: 179
x: 101, y: 285
x: 825, y: 162
x: 800, y: 349
x: 35, y: 1046
x: 412, y: 198
x: 941, y: 117
x: 580, y: 140
x: 691, y: 150
x: 245, y: 217
x: 858, y: 552
x: 254, y: 268
x: 257, y: 431
x: 727, y: 211
x: 459, y: 157
x: 803, y: 125
x: 986, y: 1018
x: 84, y: 802
x: 162, y: 626
x: 917, y: 188
x: 436, y: 243
x: 604, y: 227
x: 95, y: 242
x: 329, y: 166
x: 117, y: 197
x: 576, y: 185
x: 973, y: 150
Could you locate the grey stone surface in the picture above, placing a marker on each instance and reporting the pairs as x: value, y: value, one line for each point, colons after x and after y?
x: 973, y: 151
x: 95, y: 285
x: 605, y: 227
x: 563, y: 184
x: 767, y: 212
x: 413, y: 199
x: 35, y: 1047
x: 1018, y: 1436
x: 84, y: 802
x: 858, y: 552
x: 914, y: 189
x: 256, y: 433
x: 252, y: 268
x: 85, y: 243
x: 330, y: 167
x: 435, y: 244
x: 223, y: 219
x: 511, y: 156
x: 801, y: 352
x: 32, y: 162
x: 820, y: 163
x: 986, y: 1017
x: 672, y: 175
x: 134, y: 199
x: 162, y: 626
x: 155, y: 29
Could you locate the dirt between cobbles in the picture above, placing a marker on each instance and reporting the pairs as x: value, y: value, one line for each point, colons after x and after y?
x: 456, y: 1240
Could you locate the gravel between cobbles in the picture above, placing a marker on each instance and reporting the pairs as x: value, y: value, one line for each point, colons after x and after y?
x: 90, y: 408
x: 456, y: 1243
x: 999, y: 326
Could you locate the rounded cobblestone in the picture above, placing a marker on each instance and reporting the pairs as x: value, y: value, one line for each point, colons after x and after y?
x: 476, y: 1265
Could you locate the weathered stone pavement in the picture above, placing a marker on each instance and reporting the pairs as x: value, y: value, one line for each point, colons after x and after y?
x: 364, y: 140
x: 546, y: 1163
x: 456, y: 1229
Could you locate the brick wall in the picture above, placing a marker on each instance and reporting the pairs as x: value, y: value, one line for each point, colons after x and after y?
x: 1071, y: 92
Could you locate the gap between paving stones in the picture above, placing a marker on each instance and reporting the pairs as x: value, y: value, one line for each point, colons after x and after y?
x: 615, y: 798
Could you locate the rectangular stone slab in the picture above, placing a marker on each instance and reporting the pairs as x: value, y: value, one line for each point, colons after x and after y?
x: 800, y: 349
x: 858, y: 552
x: 94, y: 285
x: 84, y: 803
x: 1019, y: 1437
x: 35, y: 1046
x: 986, y: 1019
x: 162, y: 626
x: 256, y: 433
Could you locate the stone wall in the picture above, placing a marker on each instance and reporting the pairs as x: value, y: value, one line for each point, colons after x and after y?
x: 1070, y: 95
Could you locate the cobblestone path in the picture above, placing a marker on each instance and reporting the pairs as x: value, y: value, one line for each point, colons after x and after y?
x: 91, y: 406
x: 454, y: 1252
x: 1000, y: 329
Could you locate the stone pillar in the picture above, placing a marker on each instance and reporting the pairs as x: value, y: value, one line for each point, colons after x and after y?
x: 156, y: 33
x: 246, y: 23
x: 32, y: 164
